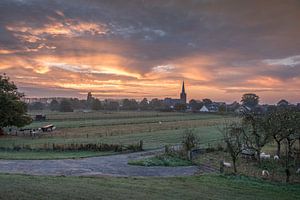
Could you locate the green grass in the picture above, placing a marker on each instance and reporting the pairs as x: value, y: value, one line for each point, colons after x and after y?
x: 118, y: 128
x: 162, y: 160
x: 152, y: 140
x: 48, y: 155
x: 199, y: 187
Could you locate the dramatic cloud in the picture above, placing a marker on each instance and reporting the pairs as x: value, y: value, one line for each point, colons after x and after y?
x: 139, y: 48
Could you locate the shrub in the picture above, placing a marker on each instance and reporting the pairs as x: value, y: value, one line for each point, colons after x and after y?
x: 190, y: 141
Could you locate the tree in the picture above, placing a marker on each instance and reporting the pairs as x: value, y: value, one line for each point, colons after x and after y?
x: 130, y: 104
x: 180, y: 107
x: 291, y: 133
x: 233, y: 137
x: 274, y: 124
x: 13, y: 111
x: 96, y: 104
x: 144, y: 105
x: 36, y: 106
x: 65, y: 106
x: 250, y: 100
x: 255, y: 135
x: 54, y: 105
x: 207, y: 102
x: 156, y: 104
x: 194, y: 105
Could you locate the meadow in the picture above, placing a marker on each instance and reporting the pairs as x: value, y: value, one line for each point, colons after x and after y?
x: 155, y: 129
x: 196, y: 187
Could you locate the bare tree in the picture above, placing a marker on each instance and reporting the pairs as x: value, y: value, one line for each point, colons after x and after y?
x: 255, y: 135
x: 233, y: 137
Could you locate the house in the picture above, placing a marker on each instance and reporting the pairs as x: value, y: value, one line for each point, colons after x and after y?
x: 242, y: 109
x: 204, y: 109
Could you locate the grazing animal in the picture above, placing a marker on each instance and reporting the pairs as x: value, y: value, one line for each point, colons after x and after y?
x: 276, y: 157
x: 160, y: 122
x: 265, y: 173
x: 265, y: 156
x: 298, y: 171
x: 226, y: 164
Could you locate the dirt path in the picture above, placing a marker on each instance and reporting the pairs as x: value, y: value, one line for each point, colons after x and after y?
x: 115, y: 165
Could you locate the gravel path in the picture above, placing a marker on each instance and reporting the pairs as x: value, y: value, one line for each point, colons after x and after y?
x: 115, y: 165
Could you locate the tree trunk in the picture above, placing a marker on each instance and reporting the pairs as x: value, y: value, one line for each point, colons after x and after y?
x: 234, y: 166
x: 278, y: 148
x: 1, y: 132
x: 288, y: 174
x: 258, y: 156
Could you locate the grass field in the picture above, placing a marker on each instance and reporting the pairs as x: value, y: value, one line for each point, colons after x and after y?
x: 48, y: 155
x: 197, y: 187
x: 156, y: 129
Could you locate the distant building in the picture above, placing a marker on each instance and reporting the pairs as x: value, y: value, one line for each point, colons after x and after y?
x: 183, y: 94
x: 182, y: 100
x: 204, y: 109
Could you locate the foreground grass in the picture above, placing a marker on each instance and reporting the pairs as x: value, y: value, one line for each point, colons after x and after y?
x: 48, y: 155
x: 162, y: 160
x: 199, y: 187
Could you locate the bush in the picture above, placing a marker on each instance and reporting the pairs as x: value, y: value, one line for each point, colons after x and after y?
x: 190, y: 141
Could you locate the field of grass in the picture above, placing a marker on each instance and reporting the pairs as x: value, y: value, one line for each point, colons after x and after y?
x: 48, y: 155
x: 156, y: 129
x: 197, y: 187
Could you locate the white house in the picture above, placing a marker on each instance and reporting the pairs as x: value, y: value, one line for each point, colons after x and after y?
x: 204, y: 109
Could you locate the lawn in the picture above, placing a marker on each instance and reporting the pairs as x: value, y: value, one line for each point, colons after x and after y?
x: 198, y: 187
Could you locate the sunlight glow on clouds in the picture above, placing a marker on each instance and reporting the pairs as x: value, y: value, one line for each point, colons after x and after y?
x: 146, y: 49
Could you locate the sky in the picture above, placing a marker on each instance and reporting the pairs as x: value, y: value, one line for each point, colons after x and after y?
x: 146, y: 48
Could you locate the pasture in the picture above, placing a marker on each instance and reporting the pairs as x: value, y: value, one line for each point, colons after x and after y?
x: 196, y: 187
x: 156, y: 129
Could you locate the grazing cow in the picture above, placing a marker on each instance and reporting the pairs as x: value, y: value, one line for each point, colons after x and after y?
x: 265, y: 173
x: 160, y: 122
x: 276, y: 157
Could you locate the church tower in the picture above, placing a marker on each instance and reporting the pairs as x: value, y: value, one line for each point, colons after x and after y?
x: 183, y: 94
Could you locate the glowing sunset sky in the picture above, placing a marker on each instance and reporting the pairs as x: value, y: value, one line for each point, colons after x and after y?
x: 145, y: 48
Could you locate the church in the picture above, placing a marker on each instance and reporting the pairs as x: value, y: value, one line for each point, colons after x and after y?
x: 182, y: 100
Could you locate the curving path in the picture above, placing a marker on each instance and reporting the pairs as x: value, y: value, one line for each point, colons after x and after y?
x: 115, y: 165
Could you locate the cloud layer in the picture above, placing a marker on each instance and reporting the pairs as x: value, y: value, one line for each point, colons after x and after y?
x: 138, y: 48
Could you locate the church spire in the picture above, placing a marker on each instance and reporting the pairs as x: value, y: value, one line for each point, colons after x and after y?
x: 183, y: 89
x: 183, y: 94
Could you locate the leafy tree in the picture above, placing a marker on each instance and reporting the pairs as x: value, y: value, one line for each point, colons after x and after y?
x: 130, y: 104
x: 65, y: 106
x: 207, y: 102
x: 144, y: 105
x: 180, y: 107
x: 291, y: 133
x: 195, y: 106
x: 13, y: 111
x: 36, y: 106
x: 111, y: 105
x: 54, y: 105
x: 250, y: 100
x: 96, y: 104
x: 156, y: 104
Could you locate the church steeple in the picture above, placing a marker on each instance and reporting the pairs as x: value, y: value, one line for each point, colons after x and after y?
x: 183, y: 89
x: 183, y: 94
